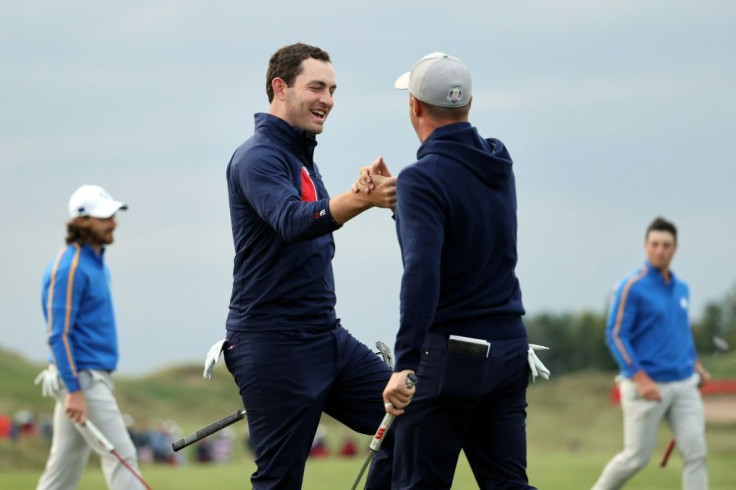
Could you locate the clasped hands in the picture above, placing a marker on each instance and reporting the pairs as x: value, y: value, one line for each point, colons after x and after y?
x: 376, y: 180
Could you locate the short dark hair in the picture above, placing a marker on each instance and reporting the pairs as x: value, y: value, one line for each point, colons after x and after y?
x: 286, y: 63
x: 455, y: 114
x: 661, y: 224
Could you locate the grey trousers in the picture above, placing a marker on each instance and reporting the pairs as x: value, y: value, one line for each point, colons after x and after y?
x: 70, y: 449
x: 682, y: 407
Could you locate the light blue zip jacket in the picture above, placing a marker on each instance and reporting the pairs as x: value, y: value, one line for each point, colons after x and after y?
x: 79, y: 314
x: 648, y: 327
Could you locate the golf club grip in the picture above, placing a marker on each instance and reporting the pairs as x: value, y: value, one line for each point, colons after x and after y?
x: 206, y: 431
x: 388, y: 419
x: 667, y: 452
x: 97, y: 435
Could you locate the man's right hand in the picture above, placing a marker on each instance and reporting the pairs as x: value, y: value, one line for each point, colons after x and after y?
x: 76, y: 407
x: 383, y: 194
x: 397, y: 395
x: 646, y: 387
x: 365, y: 176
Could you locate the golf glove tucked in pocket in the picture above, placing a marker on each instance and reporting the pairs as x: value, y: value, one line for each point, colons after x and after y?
x: 213, y: 357
x: 536, y: 368
x: 49, y: 380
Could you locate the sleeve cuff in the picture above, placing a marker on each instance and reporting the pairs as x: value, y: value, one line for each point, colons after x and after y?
x: 407, y: 360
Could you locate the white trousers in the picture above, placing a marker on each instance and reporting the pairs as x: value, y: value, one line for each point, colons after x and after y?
x: 682, y: 407
x: 70, y: 449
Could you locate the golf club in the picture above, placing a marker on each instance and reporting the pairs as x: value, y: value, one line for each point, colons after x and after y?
x: 209, y: 430
x: 720, y: 346
x: 377, y: 440
x: 105, y: 444
x: 383, y: 350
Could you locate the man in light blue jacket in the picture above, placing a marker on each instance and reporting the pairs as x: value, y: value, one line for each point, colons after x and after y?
x: 81, y: 333
x: 649, y: 335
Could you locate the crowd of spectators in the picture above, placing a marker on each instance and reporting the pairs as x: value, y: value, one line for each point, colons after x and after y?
x: 154, y: 442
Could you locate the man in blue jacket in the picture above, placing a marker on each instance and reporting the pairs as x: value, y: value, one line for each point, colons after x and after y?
x: 460, y: 330
x: 77, y: 305
x: 649, y: 335
x: 285, y: 347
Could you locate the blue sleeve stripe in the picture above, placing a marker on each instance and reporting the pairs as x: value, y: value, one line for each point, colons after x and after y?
x: 620, y: 316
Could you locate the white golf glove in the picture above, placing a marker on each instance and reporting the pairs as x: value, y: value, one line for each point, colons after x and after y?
x: 213, y: 357
x: 535, y: 365
x: 49, y: 380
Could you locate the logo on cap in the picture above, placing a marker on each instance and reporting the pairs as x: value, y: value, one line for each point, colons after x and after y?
x: 455, y: 95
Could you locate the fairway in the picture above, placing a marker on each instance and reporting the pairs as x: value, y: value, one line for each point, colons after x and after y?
x: 553, y: 470
x: 573, y: 430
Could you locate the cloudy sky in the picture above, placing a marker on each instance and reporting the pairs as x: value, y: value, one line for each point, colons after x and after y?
x: 614, y: 112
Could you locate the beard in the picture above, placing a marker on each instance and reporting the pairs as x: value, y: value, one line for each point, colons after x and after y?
x: 97, y: 237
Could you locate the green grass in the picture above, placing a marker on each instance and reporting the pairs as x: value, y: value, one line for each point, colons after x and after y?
x: 573, y: 431
x: 548, y: 470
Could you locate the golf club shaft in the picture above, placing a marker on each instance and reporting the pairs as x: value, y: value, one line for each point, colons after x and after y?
x: 362, y: 470
x: 209, y: 430
x: 667, y: 452
x: 106, y: 445
x: 377, y: 440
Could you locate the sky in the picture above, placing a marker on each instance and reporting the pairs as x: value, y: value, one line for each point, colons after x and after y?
x: 614, y: 113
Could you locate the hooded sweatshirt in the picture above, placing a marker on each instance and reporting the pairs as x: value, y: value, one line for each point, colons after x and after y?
x: 456, y: 225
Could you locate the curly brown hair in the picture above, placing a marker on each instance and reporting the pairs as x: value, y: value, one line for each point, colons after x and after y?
x: 79, y: 234
x: 286, y: 63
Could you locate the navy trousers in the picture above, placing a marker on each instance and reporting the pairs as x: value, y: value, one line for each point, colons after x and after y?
x: 465, y: 402
x: 287, y: 379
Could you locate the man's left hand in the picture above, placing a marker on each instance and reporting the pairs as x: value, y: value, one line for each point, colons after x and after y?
x: 702, y: 373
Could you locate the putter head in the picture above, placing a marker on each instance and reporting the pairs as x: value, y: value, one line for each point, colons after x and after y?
x: 720, y: 343
x: 385, y: 352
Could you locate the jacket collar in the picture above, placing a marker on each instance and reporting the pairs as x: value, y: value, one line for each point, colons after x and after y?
x: 295, y: 139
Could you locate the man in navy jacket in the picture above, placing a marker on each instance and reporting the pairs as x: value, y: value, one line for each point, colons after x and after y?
x: 460, y: 327
x: 285, y: 347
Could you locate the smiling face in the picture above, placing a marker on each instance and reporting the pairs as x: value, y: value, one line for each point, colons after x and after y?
x: 307, y: 102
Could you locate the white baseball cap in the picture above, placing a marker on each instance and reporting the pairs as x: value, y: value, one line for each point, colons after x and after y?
x: 438, y: 79
x: 94, y: 201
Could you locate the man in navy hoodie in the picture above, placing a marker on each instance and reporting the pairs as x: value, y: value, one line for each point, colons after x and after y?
x: 285, y: 347
x: 460, y: 328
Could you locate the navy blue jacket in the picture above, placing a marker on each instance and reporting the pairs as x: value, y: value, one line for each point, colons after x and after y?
x: 456, y: 224
x: 282, y: 232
